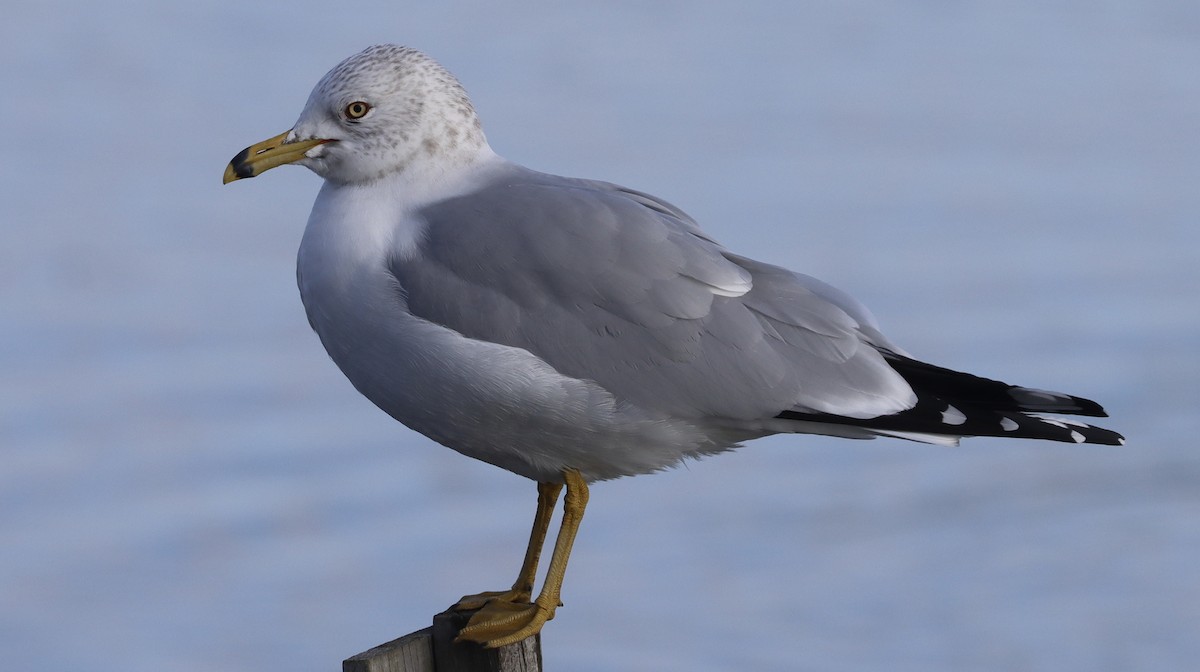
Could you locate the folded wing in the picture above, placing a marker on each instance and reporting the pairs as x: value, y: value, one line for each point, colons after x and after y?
x: 617, y: 287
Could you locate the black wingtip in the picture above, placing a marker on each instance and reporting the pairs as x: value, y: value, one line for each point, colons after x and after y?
x: 937, y: 418
x: 1090, y: 408
x: 1075, y: 431
x: 1043, y: 401
x: 955, y: 404
x: 958, y: 387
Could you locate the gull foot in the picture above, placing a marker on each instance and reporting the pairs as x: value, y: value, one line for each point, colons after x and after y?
x: 477, y: 601
x: 502, y: 623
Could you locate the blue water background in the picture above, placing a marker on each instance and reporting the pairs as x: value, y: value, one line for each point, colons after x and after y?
x: 188, y: 484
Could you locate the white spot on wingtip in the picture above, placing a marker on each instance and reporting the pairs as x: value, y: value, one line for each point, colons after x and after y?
x: 1008, y: 425
x: 1077, y: 436
x: 953, y: 416
x: 1121, y: 441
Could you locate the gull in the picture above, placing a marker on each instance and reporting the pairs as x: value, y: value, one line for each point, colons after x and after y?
x: 572, y: 330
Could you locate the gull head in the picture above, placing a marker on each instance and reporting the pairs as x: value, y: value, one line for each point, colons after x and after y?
x: 385, y: 110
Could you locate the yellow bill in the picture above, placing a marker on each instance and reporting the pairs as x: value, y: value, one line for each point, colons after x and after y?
x: 259, y: 158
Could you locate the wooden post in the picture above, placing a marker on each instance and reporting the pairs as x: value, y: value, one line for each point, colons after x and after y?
x: 433, y: 650
x: 411, y: 653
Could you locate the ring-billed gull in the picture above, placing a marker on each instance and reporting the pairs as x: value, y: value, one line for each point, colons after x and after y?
x: 571, y: 330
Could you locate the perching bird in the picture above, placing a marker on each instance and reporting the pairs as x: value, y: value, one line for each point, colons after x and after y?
x: 571, y: 330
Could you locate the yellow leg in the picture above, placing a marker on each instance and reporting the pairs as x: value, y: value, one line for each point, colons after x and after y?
x: 522, y: 590
x: 500, y: 623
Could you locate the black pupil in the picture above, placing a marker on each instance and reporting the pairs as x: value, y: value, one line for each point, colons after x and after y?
x: 357, y: 109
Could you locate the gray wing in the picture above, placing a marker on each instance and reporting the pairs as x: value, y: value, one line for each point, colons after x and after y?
x: 617, y: 287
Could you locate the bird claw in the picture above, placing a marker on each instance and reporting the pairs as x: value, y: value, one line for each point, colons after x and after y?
x: 500, y: 623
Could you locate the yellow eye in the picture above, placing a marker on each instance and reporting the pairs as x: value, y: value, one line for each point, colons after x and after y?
x: 357, y: 110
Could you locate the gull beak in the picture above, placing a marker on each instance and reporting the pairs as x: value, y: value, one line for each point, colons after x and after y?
x: 257, y: 159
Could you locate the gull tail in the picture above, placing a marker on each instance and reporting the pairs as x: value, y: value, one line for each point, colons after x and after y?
x: 951, y: 404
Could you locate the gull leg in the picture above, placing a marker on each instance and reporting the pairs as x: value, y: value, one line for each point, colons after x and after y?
x: 501, y: 623
x: 522, y: 590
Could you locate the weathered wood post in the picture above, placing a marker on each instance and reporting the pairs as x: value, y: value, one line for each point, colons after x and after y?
x: 433, y: 650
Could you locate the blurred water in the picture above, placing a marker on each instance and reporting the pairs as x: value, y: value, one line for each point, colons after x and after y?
x: 187, y: 483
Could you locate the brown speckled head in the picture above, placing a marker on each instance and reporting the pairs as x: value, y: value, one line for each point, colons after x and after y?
x: 415, y: 111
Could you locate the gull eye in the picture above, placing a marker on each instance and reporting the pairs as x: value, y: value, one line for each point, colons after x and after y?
x: 357, y: 110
